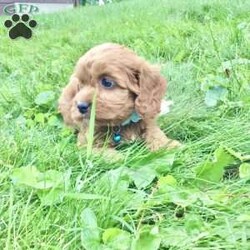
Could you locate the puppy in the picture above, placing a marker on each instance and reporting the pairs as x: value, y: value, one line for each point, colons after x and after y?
x: 128, y: 93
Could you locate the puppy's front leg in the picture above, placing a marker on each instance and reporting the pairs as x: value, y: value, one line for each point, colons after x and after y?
x: 156, y: 139
x: 82, y: 137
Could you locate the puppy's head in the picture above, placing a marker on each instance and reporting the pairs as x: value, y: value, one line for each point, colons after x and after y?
x: 123, y: 83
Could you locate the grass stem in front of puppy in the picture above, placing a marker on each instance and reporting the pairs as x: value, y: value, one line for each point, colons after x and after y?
x: 90, y: 136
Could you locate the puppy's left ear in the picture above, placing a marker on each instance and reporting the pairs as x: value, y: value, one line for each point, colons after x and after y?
x: 152, y: 87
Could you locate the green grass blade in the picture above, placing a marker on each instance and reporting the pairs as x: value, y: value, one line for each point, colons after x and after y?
x: 90, y: 135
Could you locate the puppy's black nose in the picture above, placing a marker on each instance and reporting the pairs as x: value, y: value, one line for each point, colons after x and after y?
x: 83, y: 107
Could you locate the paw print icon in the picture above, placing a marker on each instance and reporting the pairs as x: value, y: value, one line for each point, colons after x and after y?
x: 20, y: 26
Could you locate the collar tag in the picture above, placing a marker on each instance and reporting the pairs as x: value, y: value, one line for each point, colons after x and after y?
x: 134, y: 117
x: 117, y: 138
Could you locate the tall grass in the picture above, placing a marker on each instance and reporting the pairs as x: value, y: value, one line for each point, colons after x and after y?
x: 148, y: 195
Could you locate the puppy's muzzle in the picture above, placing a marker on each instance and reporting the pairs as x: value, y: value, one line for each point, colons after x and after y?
x: 83, y: 107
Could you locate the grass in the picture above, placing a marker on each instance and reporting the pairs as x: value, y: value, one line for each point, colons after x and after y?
x: 53, y: 196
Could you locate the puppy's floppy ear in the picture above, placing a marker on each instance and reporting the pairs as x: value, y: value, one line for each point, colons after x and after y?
x: 65, y: 100
x: 152, y: 88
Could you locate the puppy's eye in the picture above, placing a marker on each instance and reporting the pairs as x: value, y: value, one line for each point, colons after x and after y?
x: 107, y: 83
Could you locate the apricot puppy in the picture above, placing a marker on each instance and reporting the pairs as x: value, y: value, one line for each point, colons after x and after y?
x: 128, y: 97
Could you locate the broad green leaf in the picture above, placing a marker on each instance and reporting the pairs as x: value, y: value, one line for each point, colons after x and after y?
x: 28, y: 176
x: 163, y: 165
x: 182, y: 198
x: 50, y: 179
x: 160, y: 161
x: 214, y: 95
x: 210, y: 172
x: 88, y: 220
x: 116, y: 180
x: 45, y: 97
x: 117, y: 239
x: 222, y: 157
x: 169, y: 192
x: 148, y: 239
x: 50, y: 185
x: 39, y: 118
x: 50, y: 197
x: 213, y: 171
x: 167, y: 180
x: 244, y: 171
x: 90, y: 235
x: 142, y: 177
x: 137, y: 200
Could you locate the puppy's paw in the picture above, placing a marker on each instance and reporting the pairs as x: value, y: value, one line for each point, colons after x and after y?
x: 173, y: 144
x: 164, y: 143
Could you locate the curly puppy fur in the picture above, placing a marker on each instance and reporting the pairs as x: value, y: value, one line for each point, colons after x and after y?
x: 138, y: 87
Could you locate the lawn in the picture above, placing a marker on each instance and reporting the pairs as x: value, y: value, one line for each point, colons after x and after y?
x: 56, y: 196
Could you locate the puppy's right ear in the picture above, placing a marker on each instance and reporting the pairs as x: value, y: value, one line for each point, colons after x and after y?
x: 66, y: 99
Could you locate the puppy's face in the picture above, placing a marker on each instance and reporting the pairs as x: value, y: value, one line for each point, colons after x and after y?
x: 114, y: 101
x: 122, y: 81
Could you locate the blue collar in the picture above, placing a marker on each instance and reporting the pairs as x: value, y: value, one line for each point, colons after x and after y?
x: 134, y: 118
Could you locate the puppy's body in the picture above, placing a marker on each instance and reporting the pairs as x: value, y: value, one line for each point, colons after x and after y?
x: 129, y: 92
